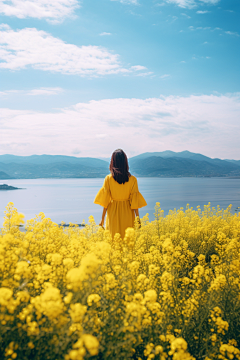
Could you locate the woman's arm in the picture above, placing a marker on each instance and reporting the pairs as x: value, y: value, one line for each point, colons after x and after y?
x: 136, y: 212
x: 103, y: 216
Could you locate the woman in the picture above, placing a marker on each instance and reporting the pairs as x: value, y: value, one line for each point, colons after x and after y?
x: 119, y: 196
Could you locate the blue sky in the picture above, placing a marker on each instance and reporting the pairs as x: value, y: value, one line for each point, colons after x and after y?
x: 84, y: 77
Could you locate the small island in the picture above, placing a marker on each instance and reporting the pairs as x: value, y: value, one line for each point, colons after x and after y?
x: 8, y: 187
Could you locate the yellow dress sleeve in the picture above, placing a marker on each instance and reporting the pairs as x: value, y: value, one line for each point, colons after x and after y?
x: 103, y: 197
x: 137, y: 201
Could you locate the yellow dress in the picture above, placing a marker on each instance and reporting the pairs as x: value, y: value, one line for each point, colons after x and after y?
x: 120, y: 200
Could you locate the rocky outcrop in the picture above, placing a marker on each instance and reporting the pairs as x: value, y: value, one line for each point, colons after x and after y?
x: 8, y: 187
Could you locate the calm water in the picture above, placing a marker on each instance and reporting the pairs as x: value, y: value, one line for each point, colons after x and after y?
x: 71, y: 200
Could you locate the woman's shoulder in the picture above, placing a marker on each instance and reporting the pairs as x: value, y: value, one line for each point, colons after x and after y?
x: 132, y: 178
x: 108, y: 178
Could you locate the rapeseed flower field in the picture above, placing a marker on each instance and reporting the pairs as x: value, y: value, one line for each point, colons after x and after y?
x: 169, y: 290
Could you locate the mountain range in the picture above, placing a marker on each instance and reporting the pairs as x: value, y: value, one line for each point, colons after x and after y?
x: 151, y: 164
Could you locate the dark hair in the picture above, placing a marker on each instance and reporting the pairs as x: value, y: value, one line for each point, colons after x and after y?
x: 119, y: 166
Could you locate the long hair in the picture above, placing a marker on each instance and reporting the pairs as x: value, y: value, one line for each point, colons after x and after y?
x: 119, y: 166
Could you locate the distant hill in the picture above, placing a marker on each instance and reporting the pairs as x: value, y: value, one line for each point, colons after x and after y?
x: 219, y: 167
x: 4, y: 176
x: 160, y: 164
x: 54, y: 170
x: 184, y: 155
x: 168, y: 154
x: 236, y: 162
x: 51, y: 159
x: 156, y: 166
x: 52, y: 166
x: 105, y: 159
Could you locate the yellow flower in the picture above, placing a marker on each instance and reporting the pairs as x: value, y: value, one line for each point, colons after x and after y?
x: 166, y: 280
x: 229, y: 351
x: 93, y: 298
x: 150, y: 296
x: 77, y: 312
x: 68, y: 263
x: 129, y: 238
x: 49, y: 303
x: 58, y: 283
x: 178, y: 344
x: 68, y: 298
x: 56, y: 259
x: 179, y: 350
x: 91, y: 343
x: 218, y: 283
x: 5, y: 296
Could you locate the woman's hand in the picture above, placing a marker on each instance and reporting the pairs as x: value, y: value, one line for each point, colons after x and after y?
x: 136, y: 212
x: 103, y: 217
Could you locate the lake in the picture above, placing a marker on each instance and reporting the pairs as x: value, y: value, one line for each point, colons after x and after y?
x: 71, y: 200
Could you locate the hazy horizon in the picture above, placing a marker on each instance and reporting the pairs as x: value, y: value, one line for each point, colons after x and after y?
x: 108, y: 158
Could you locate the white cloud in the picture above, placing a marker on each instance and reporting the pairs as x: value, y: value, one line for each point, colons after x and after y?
x: 210, y: 2
x: 203, y: 28
x: 40, y: 91
x: 4, y: 26
x: 130, y: 2
x: 192, y: 3
x: 30, y: 47
x: 232, y: 33
x: 7, y: 92
x: 105, y: 34
x: 53, y: 11
x: 192, y: 28
x: 138, y: 67
x: 147, y: 73
x: 183, y: 3
x: 187, y: 16
x: 45, y: 91
x: 202, y: 11
x: 204, y: 124
x: 164, y: 76
x: 134, y: 13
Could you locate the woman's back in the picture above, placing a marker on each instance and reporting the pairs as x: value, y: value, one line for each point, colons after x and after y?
x: 120, y: 200
x: 121, y: 191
